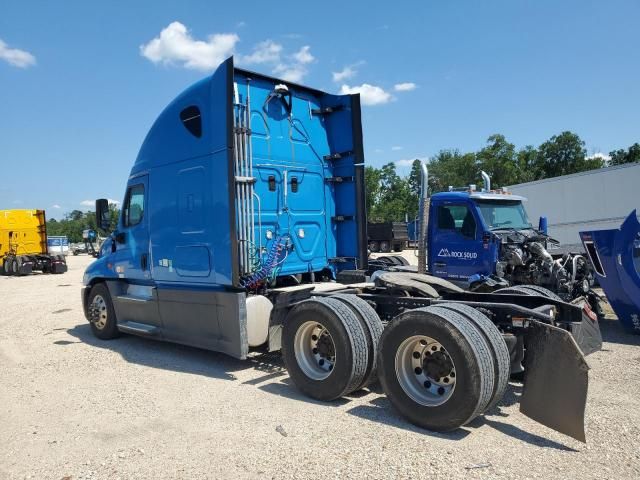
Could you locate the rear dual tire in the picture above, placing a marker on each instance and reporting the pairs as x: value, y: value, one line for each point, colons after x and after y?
x: 11, y: 266
x: 325, y: 349
x: 440, y: 367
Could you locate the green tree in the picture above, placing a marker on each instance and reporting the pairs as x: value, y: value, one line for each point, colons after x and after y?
x: 498, y: 159
x: 76, y: 221
x: 371, y: 188
x: 564, y: 154
x: 621, y: 156
x: 451, y: 168
x: 393, y: 199
x: 528, y: 165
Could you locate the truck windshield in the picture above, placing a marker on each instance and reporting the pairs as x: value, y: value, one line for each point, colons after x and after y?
x: 508, y: 214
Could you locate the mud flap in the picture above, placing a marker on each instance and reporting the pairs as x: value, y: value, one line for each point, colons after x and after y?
x: 587, y: 333
x: 556, y: 381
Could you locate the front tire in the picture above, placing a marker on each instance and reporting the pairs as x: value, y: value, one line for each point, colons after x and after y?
x: 102, y: 316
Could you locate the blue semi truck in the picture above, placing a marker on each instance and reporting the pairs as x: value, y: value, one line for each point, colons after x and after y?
x: 243, y: 230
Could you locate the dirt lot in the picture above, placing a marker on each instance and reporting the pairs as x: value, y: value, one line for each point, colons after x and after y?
x: 75, y: 407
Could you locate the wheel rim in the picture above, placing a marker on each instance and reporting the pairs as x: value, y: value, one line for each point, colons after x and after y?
x: 315, y: 350
x: 425, y: 371
x: 98, y: 312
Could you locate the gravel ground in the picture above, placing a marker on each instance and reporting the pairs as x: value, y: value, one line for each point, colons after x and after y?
x: 72, y: 406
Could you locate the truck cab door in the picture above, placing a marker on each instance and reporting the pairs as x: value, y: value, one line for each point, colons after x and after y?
x: 456, y: 248
x: 132, y: 238
x: 133, y: 293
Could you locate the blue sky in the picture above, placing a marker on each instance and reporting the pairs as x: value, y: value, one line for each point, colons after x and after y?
x: 81, y: 82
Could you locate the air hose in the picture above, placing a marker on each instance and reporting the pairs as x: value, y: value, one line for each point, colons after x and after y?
x: 268, y: 267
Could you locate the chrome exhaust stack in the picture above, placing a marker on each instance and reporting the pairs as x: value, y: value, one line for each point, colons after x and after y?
x: 423, y: 218
x: 486, y: 180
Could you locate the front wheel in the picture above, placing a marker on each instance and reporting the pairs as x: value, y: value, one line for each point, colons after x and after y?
x: 102, y: 316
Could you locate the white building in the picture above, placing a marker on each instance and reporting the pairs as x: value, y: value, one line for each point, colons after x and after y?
x: 592, y: 200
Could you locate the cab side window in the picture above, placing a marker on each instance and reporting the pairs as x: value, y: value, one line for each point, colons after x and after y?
x: 134, y: 206
x: 457, y: 218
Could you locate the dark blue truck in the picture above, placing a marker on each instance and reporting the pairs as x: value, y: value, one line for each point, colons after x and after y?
x: 483, y: 240
x: 243, y: 229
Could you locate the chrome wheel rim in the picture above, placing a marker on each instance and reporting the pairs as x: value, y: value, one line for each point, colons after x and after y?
x: 315, y: 350
x: 425, y: 371
x: 98, y: 312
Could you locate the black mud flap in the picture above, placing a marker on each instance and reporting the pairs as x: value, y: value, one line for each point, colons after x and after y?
x: 587, y: 333
x: 556, y: 380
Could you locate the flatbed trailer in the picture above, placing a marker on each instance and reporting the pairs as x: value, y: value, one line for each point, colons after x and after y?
x: 243, y: 229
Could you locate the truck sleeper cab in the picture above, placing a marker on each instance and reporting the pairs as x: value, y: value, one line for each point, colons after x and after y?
x: 244, y: 205
x: 242, y: 180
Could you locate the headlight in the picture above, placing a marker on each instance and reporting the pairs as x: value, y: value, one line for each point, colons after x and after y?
x: 585, y: 285
x: 500, y: 267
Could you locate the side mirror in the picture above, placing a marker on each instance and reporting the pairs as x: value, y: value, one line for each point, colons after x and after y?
x: 103, y: 219
x: 542, y: 225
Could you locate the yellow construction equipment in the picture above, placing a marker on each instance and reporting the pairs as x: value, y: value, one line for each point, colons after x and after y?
x: 23, y: 244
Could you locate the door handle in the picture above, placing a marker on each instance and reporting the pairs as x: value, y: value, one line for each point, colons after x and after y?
x: 143, y: 261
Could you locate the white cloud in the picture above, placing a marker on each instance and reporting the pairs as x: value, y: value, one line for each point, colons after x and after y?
x: 396, y: 148
x: 264, y: 52
x: 601, y: 155
x: 369, y: 94
x: 16, y: 57
x: 378, y: 150
x: 404, y: 87
x: 241, y: 24
x: 17, y: 202
x: 408, y: 162
x: 92, y: 203
x: 345, y: 74
x: 303, y: 55
x: 175, y: 45
x: 295, y: 70
x: 291, y: 73
x: 56, y: 206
